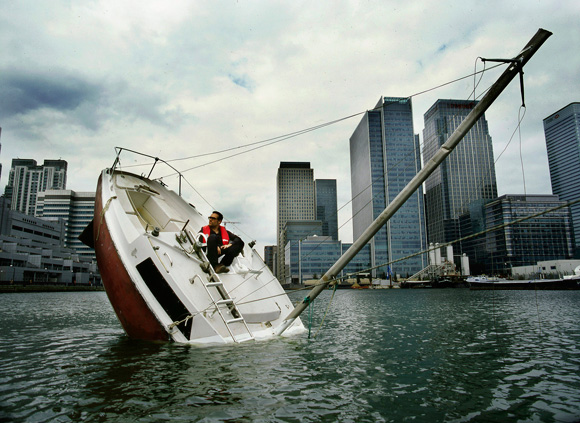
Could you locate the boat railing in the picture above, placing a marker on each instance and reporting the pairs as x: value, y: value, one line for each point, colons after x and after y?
x: 119, y: 150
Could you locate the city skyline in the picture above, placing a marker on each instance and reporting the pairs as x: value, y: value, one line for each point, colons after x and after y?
x: 348, y: 236
x: 77, y: 80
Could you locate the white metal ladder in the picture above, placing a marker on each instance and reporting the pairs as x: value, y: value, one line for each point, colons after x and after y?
x: 225, y: 305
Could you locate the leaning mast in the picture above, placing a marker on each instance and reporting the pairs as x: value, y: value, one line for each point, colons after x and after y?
x: 516, y: 67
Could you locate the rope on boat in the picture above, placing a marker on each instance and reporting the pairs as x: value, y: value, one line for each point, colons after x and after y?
x: 307, y: 301
x: 191, y: 316
x: 177, y: 323
x: 102, y: 216
x: 326, y: 311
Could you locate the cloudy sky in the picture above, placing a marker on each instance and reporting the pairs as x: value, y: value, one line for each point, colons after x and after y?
x: 180, y: 79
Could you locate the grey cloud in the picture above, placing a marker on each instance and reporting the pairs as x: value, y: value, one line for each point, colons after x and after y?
x: 24, y: 92
x: 81, y: 101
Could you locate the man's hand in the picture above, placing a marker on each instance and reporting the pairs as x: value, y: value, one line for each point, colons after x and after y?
x: 222, y: 248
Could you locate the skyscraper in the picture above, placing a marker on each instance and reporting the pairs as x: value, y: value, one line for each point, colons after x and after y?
x: 26, y: 179
x: 326, y: 208
x: 466, y: 176
x: 76, y: 209
x: 295, y: 201
x: 384, y: 157
x: 562, y: 131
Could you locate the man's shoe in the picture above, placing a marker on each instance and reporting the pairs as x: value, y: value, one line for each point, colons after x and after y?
x: 220, y: 268
x: 205, y: 267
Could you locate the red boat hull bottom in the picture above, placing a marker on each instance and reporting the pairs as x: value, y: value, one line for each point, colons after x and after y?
x: 135, y: 316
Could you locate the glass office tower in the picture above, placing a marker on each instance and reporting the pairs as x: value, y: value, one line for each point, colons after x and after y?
x: 384, y: 157
x: 467, y: 175
x: 546, y: 237
x: 326, y: 206
x: 562, y: 131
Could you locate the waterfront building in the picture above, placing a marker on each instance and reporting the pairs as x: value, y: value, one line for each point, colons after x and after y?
x: 295, y: 200
x: 548, y: 269
x: 294, y: 232
x: 310, y: 258
x: 326, y: 206
x: 39, y: 231
x: 270, y: 252
x: 32, y: 252
x: 562, y: 132
x: 360, y: 263
x: 384, y: 157
x: 472, y: 222
x: 466, y: 176
x: 76, y: 209
x: 27, y: 179
x: 542, y: 238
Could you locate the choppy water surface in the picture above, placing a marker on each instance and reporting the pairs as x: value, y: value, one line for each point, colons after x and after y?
x: 392, y: 355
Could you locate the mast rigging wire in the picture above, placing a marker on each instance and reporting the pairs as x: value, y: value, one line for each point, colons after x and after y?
x: 290, y: 135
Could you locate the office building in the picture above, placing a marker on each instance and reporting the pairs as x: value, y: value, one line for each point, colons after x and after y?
x: 19, y: 225
x: 472, y: 223
x: 384, y: 157
x: 294, y: 201
x: 562, y: 132
x: 270, y: 253
x: 545, y: 237
x: 360, y: 264
x: 295, y: 231
x: 467, y: 175
x: 27, y: 179
x: 326, y: 206
x: 311, y: 257
x: 32, y: 252
x: 548, y: 269
x: 76, y: 209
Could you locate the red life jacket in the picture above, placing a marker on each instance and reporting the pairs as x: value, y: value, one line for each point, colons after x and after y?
x: 225, y: 237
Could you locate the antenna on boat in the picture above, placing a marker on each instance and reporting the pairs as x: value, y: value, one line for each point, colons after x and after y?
x: 496, y: 89
x: 153, y: 167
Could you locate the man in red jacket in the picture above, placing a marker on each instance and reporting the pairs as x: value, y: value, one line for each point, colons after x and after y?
x: 221, y: 242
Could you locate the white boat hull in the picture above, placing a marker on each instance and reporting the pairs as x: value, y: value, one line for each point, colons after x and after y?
x: 144, y: 236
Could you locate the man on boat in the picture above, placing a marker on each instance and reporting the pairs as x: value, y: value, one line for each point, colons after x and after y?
x: 221, y: 242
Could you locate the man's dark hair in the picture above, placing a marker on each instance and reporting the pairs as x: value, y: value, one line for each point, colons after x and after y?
x: 220, y: 216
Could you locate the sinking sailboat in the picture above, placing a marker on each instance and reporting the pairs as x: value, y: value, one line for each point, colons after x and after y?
x: 152, y: 260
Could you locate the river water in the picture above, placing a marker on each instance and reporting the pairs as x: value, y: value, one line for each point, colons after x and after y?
x: 381, y: 356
